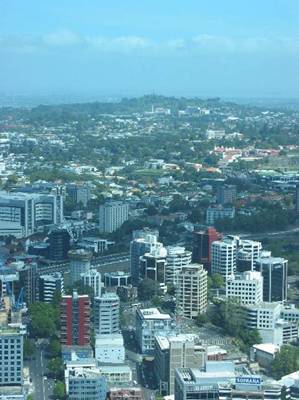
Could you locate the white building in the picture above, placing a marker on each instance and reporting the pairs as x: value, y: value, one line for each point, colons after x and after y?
x: 112, y: 215
x: 219, y: 212
x: 248, y: 252
x: 79, y: 263
x: 142, y: 243
x: 21, y: 214
x: 106, y: 314
x: 48, y: 285
x: 93, y: 279
x: 192, y: 290
x: 266, y: 318
x: 215, y: 134
x: 177, y: 257
x: 223, y: 257
x: 153, y: 264
x: 110, y: 348
x: 246, y: 286
x: 149, y: 323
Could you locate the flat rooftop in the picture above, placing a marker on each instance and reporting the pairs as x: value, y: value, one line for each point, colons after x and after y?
x: 153, y: 313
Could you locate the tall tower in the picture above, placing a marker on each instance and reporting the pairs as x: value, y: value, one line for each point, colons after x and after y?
x: 75, y: 320
x: 106, y: 314
x: 192, y: 290
x: 79, y: 263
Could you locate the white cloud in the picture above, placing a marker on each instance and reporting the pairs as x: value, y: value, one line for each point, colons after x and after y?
x: 61, y: 38
x: 202, y: 43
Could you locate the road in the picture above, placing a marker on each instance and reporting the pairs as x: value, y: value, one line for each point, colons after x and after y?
x: 258, y: 236
x: 42, y: 386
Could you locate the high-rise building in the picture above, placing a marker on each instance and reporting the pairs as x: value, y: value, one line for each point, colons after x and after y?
x: 138, y: 247
x: 79, y: 263
x: 22, y: 213
x: 48, y: 285
x: 28, y: 280
x: 149, y: 323
x: 223, y: 260
x: 202, y: 242
x: 177, y: 257
x: 275, y: 274
x: 112, y: 215
x: 11, y: 356
x: 93, y: 279
x: 247, y: 287
x: 226, y: 194
x: 59, y: 240
x: 173, y: 352
x: 248, y: 252
x: 75, y: 320
x: 78, y: 194
x: 153, y: 264
x: 192, y: 291
x: 106, y: 314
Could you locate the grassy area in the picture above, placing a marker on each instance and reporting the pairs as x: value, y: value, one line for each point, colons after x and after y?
x: 150, y: 172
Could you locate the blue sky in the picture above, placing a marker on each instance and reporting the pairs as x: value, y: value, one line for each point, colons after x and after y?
x: 244, y: 48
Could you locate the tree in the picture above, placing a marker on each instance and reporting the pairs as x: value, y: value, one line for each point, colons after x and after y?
x: 156, y: 301
x: 28, y: 348
x: 44, y: 319
x: 59, y: 390
x: 202, y: 319
x: 54, y: 347
x: 148, y: 288
x: 285, y: 362
x: 217, y: 281
x: 55, y: 367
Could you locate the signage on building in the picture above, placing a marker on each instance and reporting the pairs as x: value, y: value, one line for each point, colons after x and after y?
x: 248, y: 380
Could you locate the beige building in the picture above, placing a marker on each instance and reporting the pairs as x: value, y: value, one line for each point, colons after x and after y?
x: 192, y: 291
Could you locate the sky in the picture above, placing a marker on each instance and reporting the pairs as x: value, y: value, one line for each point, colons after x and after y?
x: 226, y: 48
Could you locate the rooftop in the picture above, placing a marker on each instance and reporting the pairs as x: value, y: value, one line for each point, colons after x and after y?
x: 153, y: 313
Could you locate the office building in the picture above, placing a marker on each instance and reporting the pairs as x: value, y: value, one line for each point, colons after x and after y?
x: 116, y: 279
x: 78, y: 194
x: 192, y: 291
x: 21, y: 214
x: 79, y: 263
x: 112, y: 215
x: 93, y: 279
x: 106, y: 314
x: 223, y: 258
x: 84, y: 381
x: 202, y: 242
x: 75, y: 320
x: 221, y: 381
x: 266, y: 318
x: 173, y: 352
x: 219, y: 212
x: 48, y: 285
x: 28, y: 280
x: 11, y: 356
x: 59, y: 244
x: 275, y: 274
x: 177, y: 257
x: 226, y: 194
x: 110, y: 349
x: 153, y: 264
x: 140, y: 245
x: 125, y: 393
x: 149, y: 323
x: 248, y: 252
x: 247, y: 287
